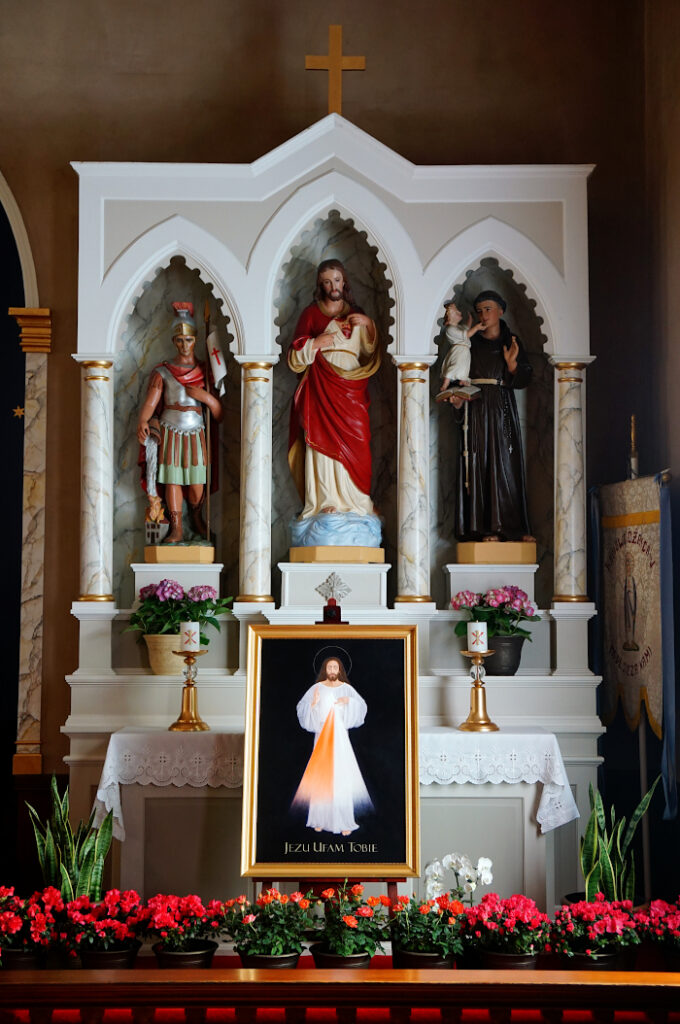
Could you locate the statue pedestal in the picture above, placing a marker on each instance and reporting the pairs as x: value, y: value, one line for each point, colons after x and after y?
x: 479, y: 578
x: 177, y: 554
x: 365, y: 585
x: 345, y: 554
x: 187, y: 574
x: 509, y: 552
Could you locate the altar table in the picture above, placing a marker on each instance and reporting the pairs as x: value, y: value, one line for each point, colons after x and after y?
x: 481, y: 794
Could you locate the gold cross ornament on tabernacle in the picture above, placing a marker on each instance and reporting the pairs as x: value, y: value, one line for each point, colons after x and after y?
x: 335, y: 64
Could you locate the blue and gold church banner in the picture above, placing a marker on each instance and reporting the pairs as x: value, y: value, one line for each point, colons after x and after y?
x: 635, y: 600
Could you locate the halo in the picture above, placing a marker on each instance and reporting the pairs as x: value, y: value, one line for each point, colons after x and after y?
x: 334, y: 648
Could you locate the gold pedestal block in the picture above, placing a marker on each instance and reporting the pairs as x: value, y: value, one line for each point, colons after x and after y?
x: 331, y: 553
x: 506, y: 552
x: 177, y: 553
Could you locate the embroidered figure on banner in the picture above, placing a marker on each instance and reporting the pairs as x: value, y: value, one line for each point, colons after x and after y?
x: 629, y: 606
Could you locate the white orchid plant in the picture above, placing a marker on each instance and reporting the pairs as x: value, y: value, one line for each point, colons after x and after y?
x: 467, y: 876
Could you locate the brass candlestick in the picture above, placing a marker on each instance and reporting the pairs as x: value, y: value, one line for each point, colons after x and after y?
x: 189, y: 719
x: 478, y: 719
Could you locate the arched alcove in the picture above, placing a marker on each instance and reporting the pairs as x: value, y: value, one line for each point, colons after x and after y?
x: 536, y: 410
x: 334, y: 237
x: 145, y: 342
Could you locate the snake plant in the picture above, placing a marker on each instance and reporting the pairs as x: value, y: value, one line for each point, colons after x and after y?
x: 607, y: 860
x: 72, y: 862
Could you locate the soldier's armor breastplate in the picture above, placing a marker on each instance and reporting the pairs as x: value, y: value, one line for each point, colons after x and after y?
x: 187, y: 420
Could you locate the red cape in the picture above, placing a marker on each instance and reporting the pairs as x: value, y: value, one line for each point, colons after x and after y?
x: 330, y: 412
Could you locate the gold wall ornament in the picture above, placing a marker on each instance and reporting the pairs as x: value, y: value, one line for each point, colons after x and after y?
x: 36, y: 328
x: 478, y: 720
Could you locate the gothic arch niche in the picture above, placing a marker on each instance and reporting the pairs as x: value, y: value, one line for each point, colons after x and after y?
x: 536, y: 410
x: 335, y: 237
x: 145, y: 342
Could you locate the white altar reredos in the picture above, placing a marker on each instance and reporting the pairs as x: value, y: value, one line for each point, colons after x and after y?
x: 247, y: 238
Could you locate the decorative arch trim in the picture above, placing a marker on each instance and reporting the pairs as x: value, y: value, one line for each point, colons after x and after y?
x: 126, y: 277
x: 491, y: 238
x: 16, y: 221
x: 333, y: 191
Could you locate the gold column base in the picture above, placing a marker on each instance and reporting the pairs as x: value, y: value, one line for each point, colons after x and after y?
x: 189, y: 719
x: 413, y: 599
x: 478, y: 720
x: 576, y: 598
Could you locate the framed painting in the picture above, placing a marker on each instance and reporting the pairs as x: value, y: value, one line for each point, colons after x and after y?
x: 331, y: 753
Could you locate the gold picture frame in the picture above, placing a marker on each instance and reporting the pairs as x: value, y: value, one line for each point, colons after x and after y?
x: 364, y: 823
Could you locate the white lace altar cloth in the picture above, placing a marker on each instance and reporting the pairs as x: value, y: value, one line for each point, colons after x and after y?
x: 509, y: 755
x: 152, y: 757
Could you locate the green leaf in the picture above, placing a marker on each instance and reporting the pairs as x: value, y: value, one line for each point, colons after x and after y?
x: 104, y: 835
x: 637, y: 815
x: 607, y: 879
x: 589, y: 846
x: 83, y: 887
x: 628, y: 886
x: 593, y: 883
x: 52, y: 860
x: 599, y: 811
x: 66, y: 885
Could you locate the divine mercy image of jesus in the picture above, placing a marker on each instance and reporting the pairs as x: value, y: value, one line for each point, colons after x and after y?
x: 332, y: 787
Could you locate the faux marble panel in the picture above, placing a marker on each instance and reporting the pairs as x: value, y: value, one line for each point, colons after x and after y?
x: 146, y: 342
x: 256, y: 484
x: 535, y: 406
x: 413, y: 468
x: 570, y: 537
x: 335, y: 238
x: 32, y: 556
x: 96, y: 482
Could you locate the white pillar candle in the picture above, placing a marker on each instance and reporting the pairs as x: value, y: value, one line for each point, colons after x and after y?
x: 191, y: 636
x: 477, y: 637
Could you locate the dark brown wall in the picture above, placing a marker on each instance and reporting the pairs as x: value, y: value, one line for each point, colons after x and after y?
x: 447, y: 81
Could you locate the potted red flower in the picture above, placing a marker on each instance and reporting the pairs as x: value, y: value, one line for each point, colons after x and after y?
x: 593, y: 934
x: 352, y: 927
x: 28, y: 927
x: 268, y: 933
x: 104, y: 934
x: 426, y: 933
x: 182, y: 926
x: 507, y: 933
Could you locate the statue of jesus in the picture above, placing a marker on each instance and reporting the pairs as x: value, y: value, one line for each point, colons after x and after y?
x: 335, y: 350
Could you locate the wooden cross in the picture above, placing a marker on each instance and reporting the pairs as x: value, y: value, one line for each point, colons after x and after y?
x: 335, y: 64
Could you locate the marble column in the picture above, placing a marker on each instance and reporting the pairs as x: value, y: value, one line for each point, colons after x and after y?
x: 570, y: 489
x: 96, y: 489
x: 413, y: 558
x: 36, y: 342
x: 256, y: 481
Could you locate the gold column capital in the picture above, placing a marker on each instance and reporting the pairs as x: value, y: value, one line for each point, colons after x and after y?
x: 36, y: 328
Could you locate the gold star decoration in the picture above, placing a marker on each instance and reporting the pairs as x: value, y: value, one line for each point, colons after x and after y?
x: 18, y: 412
